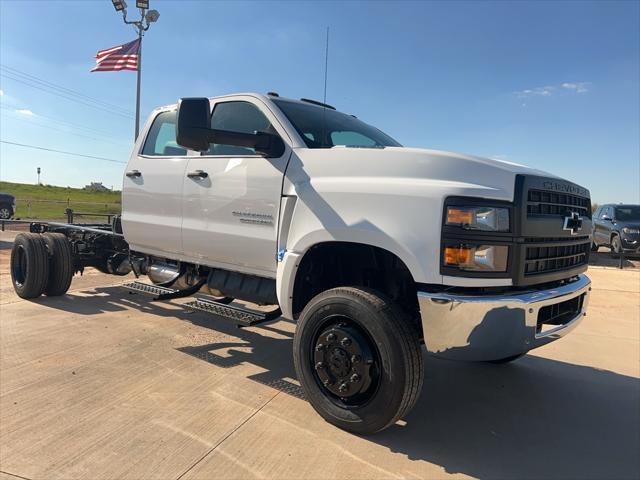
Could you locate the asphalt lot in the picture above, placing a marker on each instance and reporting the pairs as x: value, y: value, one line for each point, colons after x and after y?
x: 104, y: 384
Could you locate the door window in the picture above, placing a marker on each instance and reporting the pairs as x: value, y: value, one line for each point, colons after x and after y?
x: 241, y: 117
x: 161, y: 139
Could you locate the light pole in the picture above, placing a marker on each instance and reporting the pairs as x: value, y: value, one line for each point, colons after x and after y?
x: 141, y: 26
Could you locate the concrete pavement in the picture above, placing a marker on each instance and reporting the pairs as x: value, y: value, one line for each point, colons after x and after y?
x: 103, y: 384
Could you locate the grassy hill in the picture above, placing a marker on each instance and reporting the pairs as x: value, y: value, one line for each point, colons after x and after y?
x: 49, y: 202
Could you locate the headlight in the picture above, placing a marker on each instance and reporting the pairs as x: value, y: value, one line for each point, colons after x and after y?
x: 488, y: 258
x: 491, y: 219
x: 630, y: 230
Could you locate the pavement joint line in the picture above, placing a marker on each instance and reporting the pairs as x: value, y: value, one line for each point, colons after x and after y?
x: 14, y: 475
x: 226, y: 436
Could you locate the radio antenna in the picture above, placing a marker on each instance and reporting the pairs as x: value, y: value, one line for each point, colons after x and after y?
x: 326, y: 66
x: 324, y: 140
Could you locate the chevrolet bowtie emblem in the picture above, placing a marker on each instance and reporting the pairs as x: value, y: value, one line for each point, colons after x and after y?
x: 573, y: 223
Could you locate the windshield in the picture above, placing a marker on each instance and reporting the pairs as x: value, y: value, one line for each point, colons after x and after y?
x: 628, y: 213
x: 325, y: 128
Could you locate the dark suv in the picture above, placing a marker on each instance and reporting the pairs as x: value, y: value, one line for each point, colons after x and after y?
x: 617, y: 227
x: 7, y: 206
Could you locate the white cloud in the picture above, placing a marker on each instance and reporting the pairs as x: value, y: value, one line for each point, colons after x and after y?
x: 25, y: 111
x: 1, y: 93
x: 578, y: 87
x: 536, y: 92
x: 549, y: 90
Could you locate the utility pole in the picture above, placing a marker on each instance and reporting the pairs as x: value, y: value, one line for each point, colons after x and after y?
x: 38, y: 170
x: 147, y: 17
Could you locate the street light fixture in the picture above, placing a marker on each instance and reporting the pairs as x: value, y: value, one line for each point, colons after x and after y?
x: 152, y: 16
x: 119, y: 5
x: 141, y: 26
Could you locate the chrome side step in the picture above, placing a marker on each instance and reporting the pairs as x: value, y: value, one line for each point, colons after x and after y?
x: 147, y: 288
x: 242, y: 316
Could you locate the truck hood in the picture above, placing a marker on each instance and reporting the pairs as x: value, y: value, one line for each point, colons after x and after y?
x: 411, y: 169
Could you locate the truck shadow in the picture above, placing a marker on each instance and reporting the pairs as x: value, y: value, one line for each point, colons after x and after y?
x: 534, y: 418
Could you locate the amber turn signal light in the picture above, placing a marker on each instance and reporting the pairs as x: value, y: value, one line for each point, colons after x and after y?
x: 459, y: 216
x: 458, y: 256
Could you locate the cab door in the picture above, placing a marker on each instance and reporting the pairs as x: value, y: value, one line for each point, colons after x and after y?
x: 232, y: 195
x: 152, y: 190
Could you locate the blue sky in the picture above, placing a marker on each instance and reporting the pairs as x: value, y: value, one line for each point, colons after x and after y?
x: 553, y: 85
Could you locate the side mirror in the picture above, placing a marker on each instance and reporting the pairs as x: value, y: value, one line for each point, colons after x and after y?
x: 193, y: 130
x: 193, y: 123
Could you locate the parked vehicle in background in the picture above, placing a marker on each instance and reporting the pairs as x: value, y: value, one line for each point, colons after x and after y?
x: 373, y: 249
x: 617, y: 227
x: 7, y: 206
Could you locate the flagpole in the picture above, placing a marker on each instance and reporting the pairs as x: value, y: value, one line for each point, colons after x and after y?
x: 138, y: 82
x: 147, y: 17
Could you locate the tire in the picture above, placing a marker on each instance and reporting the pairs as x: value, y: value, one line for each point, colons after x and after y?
x: 384, y: 353
x: 594, y: 247
x: 5, y: 212
x: 616, y: 246
x: 502, y: 361
x: 60, y: 264
x: 29, y: 265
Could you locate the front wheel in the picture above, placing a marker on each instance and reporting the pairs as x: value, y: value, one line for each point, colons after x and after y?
x: 358, y: 358
x: 594, y: 246
x: 616, y: 245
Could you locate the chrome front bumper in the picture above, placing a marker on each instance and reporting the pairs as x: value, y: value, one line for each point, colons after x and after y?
x: 492, y: 327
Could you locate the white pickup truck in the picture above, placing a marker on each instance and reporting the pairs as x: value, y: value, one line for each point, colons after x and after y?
x: 372, y: 248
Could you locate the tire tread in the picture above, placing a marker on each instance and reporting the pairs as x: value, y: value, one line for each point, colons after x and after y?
x: 60, y: 264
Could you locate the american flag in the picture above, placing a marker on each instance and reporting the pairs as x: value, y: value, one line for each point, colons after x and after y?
x: 122, y: 57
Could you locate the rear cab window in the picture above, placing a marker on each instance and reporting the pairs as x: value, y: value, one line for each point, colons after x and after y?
x: 161, y: 138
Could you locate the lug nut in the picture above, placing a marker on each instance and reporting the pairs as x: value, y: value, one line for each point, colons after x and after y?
x: 354, y: 378
x: 343, y: 387
x: 327, y: 383
x: 319, y: 347
x: 331, y: 337
x: 355, y: 358
x: 346, y: 342
x: 319, y: 366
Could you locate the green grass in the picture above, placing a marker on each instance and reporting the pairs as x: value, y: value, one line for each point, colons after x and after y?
x: 46, y: 202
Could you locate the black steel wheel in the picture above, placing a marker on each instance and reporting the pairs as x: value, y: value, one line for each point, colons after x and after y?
x: 358, y: 358
x: 60, y: 264
x: 29, y: 265
x: 347, y: 362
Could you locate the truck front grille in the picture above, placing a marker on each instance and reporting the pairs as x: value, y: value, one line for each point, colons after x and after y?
x: 546, y: 258
x: 540, y: 202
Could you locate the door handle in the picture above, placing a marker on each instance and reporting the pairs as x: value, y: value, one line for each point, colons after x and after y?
x: 133, y: 173
x: 198, y: 174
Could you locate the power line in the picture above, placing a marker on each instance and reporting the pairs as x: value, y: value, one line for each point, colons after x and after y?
x: 34, y: 78
x: 13, y: 109
x: 64, y: 95
x: 50, y: 127
x: 35, y: 147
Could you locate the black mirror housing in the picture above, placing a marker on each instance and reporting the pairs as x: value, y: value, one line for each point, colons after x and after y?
x: 193, y: 123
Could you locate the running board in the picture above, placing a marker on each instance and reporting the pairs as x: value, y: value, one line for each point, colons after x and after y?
x: 242, y: 316
x: 147, y: 288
